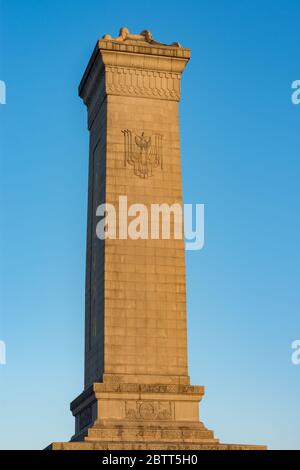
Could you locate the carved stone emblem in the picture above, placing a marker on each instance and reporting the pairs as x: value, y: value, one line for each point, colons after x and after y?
x: 142, y: 152
x: 148, y: 410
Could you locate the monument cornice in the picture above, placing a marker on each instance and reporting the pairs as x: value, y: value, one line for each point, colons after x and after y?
x: 135, y: 47
x: 144, y: 61
x: 134, y: 69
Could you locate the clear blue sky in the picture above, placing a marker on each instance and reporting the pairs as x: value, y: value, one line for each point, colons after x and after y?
x: 240, y: 157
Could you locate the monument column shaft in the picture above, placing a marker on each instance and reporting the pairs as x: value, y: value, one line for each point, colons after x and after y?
x: 135, y: 289
x: 145, y: 313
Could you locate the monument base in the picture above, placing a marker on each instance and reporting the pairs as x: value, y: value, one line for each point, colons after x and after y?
x: 117, y: 415
x: 77, y: 446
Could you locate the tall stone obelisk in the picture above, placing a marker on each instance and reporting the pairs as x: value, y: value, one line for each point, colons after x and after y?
x: 137, y: 389
x: 135, y: 291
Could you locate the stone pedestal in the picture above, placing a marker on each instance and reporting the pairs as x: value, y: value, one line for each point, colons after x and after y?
x: 114, y: 415
x: 148, y: 415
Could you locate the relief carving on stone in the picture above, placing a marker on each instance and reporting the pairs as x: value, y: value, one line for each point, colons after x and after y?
x: 140, y: 82
x: 143, y: 152
x: 148, y: 410
x: 114, y: 384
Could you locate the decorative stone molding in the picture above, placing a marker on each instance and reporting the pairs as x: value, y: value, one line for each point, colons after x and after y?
x: 143, y: 83
x: 146, y: 388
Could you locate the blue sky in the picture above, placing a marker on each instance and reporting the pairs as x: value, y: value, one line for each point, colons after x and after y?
x: 240, y: 157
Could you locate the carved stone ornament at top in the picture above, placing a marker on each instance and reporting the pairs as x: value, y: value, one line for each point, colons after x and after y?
x: 144, y: 37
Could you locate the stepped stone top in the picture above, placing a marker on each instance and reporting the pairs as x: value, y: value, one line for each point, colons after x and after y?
x: 135, y: 51
x: 142, y: 43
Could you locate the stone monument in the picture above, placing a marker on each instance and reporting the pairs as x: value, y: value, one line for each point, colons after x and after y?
x: 137, y: 389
